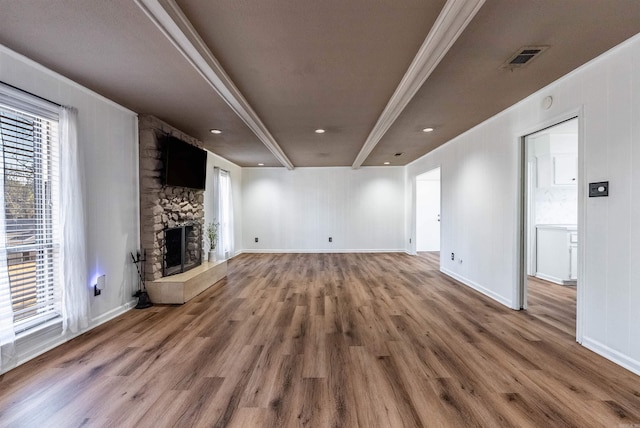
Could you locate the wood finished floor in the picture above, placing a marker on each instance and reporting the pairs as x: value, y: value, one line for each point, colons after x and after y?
x: 553, y: 304
x: 326, y: 340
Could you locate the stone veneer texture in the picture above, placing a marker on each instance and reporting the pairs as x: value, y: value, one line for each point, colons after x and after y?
x: 163, y: 207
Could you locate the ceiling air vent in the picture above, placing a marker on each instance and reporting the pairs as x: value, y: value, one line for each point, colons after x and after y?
x: 524, y: 56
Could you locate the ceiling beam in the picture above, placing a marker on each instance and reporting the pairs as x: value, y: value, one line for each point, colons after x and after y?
x: 170, y: 19
x: 453, y: 19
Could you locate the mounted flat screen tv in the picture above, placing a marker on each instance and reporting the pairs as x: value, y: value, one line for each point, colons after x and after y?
x: 185, y: 165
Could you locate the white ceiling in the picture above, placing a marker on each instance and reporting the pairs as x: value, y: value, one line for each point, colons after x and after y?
x: 289, y: 67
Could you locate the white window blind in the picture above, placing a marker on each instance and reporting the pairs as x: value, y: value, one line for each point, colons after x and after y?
x: 29, y: 143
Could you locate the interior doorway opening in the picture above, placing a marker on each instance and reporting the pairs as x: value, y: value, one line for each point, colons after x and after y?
x: 550, y: 220
x: 428, y: 213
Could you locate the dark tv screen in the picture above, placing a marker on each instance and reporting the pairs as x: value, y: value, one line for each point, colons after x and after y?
x: 184, y: 165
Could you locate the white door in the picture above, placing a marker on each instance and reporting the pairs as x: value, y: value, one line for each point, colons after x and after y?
x: 428, y: 211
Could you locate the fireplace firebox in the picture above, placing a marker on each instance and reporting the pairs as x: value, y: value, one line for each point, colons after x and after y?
x: 182, y: 249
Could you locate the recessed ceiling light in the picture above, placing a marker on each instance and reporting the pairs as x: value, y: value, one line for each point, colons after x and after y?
x: 215, y: 131
x: 260, y: 164
x: 427, y: 130
x: 387, y: 163
x: 319, y: 131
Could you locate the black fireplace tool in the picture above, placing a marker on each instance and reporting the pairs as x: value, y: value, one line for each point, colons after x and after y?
x: 142, y: 295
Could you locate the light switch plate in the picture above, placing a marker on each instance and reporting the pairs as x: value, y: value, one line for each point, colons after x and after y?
x: 599, y: 189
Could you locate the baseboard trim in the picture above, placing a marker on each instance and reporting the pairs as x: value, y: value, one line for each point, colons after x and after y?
x: 322, y: 251
x: 556, y: 280
x: 612, y: 355
x: 109, y: 315
x: 495, y: 296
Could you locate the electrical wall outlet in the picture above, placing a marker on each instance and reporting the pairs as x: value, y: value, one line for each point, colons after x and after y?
x: 453, y: 256
x: 256, y: 239
x: 99, y: 286
x: 330, y: 239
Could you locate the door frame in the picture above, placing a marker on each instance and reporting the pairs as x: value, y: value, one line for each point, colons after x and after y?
x: 414, y: 213
x: 522, y: 244
x: 439, y: 181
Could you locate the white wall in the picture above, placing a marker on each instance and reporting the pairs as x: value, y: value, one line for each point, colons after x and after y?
x: 480, y: 180
x: 478, y: 208
x: 107, y: 135
x: 213, y: 161
x: 297, y: 211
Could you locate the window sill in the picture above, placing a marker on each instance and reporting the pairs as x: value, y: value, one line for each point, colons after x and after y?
x: 41, y: 329
x: 39, y: 339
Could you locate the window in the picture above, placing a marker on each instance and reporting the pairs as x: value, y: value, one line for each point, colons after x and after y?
x: 224, y: 212
x: 29, y: 170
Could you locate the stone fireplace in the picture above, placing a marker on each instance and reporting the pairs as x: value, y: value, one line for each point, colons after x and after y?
x: 171, y: 225
x: 165, y: 208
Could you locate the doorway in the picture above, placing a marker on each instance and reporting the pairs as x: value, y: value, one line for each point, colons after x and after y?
x: 550, y: 220
x: 428, y: 213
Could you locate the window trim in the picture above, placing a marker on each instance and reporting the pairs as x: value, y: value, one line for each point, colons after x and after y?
x: 27, y: 102
x: 13, y: 98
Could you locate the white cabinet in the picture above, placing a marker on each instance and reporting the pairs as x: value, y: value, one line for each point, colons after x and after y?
x: 557, y: 253
x: 565, y: 170
x: 557, y: 170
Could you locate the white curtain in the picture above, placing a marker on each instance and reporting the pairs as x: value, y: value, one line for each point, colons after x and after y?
x: 75, y: 290
x: 223, y: 209
x: 7, y: 333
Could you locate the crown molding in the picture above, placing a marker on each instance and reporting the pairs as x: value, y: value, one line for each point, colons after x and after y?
x: 170, y: 19
x: 453, y: 19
